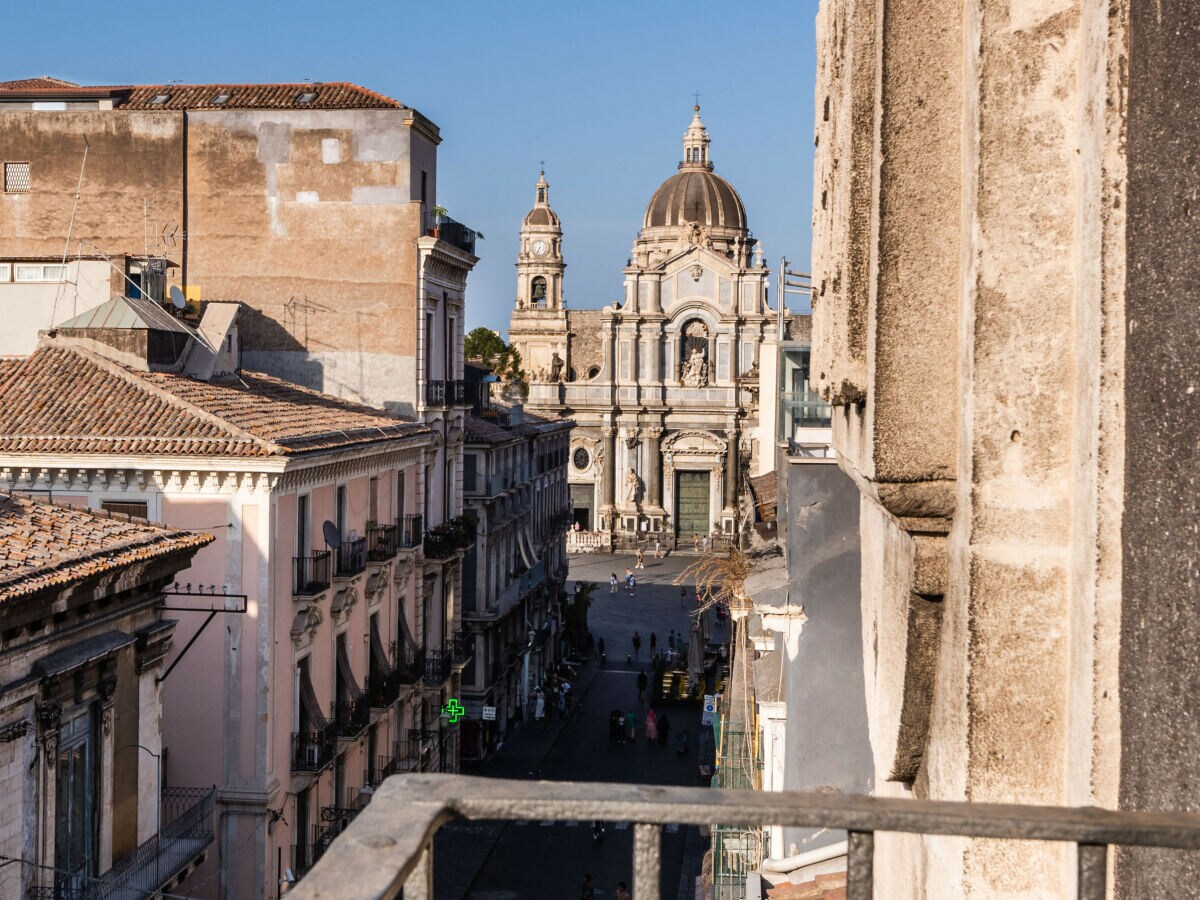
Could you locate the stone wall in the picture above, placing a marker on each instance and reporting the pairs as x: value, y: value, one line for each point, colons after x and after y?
x: 586, y: 328
x: 1003, y: 251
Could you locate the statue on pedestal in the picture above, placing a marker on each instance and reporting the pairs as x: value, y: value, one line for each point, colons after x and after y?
x: 633, y: 486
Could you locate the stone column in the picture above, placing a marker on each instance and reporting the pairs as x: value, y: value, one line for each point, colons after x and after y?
x: 731, y: 472
x: 654, y: 449
x: 607, y: 483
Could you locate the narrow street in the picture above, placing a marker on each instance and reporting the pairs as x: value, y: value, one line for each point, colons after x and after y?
x: 500, y: 861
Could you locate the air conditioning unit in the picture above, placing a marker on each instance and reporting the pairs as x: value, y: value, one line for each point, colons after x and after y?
x: 312, y: 755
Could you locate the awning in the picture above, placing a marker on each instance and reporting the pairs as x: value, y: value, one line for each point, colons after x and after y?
x: 525, y: 545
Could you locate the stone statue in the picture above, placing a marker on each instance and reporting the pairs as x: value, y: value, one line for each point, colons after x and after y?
x: 633, y: 485
x: 556, y: 367
x: 695, y: 370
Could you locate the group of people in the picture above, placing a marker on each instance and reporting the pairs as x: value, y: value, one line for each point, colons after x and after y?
x: 630, y: 582
x: 556, y: 693
x: 589, y: 891
x: 623, y: 725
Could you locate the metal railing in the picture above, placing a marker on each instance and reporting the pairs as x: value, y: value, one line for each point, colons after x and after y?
x: 439, y: 545
x: 451, y: 231
x: 435, y: 393
x: 382, y: 541
x: 351, y: 717
x: 188, y: 831
x: 312, y: 573
x: 388, y: 847
x: 312, y: 751
x: 409, y: 532
x: 803, y: 409
x: 351, y: 557
x: 438, y: 664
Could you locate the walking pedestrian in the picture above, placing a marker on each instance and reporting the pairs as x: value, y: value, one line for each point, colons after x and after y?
x: 641, y: 683
x: 651, y: 727
x: 622, y: 891
x: 630, y: 727
x: 539, y: 708
x: 683, y: 598
x: 615, y: 725
x: 653, y: 643
x: 695, y: 540
x: 664, y: 730
x: 637, y: 644
x: 632, y: 586
x: 641, y: 558
x: 612, y: 583
x: 670, y: 640
x: 628, y: 574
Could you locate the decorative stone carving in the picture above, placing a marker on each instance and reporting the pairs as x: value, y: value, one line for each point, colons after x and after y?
x: 633, y: 486
x: 696, y: 271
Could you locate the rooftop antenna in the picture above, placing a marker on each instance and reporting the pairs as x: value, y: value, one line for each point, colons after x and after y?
x: 70, y: 228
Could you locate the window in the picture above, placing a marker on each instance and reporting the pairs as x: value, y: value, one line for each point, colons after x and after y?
x: 469, y: 464
x: 75, y: 844
x: 134, y: 508
x: 160, y: 99
x: 340, y: 510
x: 307, y: 97
x: 302, y: 525
x: 400, y: 498
x: 16, y: 178
x: 40, y: 272
x: 424, y: 187
x: 5, y: 271
x: 373, y: 499
x: 541, y: 195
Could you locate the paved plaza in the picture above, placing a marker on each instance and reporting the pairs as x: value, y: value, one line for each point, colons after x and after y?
x: 498, y: 861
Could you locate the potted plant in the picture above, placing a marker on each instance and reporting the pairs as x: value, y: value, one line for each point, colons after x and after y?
x: 439, y: 213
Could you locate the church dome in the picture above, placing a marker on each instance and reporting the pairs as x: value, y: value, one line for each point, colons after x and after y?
x: 696, y: 194
x: 542, y: 215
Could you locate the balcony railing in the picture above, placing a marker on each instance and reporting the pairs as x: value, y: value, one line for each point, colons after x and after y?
x: 452, y: 232
x: 450, y: 393
x: 351, y: 717
x: 459, y: 647
x: 312, y: 573
x: 390, y: 843
x: 438, y: 664
x: 188, y: 813
x: 382, y: 541
x: 312, y: 751
x: 409, y: 532
x: 435, y: 393
x: 351, y: 557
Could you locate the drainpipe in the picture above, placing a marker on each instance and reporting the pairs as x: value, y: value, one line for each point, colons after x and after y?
x: 800, y: 860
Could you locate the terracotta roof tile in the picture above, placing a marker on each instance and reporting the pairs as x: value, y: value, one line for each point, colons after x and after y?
x: 68, y: 400
x: 41, y: 83
x: 42, y: 544
x: 331, y: 95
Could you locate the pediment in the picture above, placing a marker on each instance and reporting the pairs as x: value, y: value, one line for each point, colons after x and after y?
x: 694, y: 442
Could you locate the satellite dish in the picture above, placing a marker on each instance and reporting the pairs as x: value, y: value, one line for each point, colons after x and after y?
x: 333, y: 536
x: 177, y: 298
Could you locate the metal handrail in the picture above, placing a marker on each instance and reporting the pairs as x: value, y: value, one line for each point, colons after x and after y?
x: 352, y: 556
x: 312, y: 573
x: 390, y: 843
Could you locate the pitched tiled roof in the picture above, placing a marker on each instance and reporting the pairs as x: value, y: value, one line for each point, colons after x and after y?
x: 485, y: 431
x: 42, y: 544
x: 8, y: 366
x: 42, y: 83
x: 69, y: 400
x: 332, y: 95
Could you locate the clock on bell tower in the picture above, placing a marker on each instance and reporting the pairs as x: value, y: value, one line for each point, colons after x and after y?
x: 540, y: 264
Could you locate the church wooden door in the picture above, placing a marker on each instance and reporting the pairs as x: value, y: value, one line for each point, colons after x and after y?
x: 691, y: 504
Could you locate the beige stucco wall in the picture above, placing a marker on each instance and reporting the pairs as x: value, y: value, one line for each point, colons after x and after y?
x: 970, y: 258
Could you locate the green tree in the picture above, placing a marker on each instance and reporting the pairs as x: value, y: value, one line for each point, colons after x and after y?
x: 489, y: 348
x: 485, y: 345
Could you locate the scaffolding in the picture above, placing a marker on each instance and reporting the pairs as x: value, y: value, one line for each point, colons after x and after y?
x: 737, y: 849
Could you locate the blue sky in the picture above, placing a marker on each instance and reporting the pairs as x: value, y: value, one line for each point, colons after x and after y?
x: 602, y: 92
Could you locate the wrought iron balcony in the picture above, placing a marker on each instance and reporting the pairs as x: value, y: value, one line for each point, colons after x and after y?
x: 351, y: 557
x: 409, y: 532
x: 312, y: 573
x: 351, y: 717
x: 435, y: 393
x: 438, y: 664
x: 389, y: 845
x: 459, y: 647
x: 382, y: 541
x: 312, y: 751
x: 186, y: 834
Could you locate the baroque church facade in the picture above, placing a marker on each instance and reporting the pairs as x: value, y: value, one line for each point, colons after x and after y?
x: 664, y: 386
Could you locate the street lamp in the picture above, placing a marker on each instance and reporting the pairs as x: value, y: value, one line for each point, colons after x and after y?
x: 157, y: 801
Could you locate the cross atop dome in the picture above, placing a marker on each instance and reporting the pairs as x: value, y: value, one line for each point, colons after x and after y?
x: 695, y: 144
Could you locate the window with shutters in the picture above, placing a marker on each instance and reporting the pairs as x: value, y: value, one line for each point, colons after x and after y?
x: 16, y: 178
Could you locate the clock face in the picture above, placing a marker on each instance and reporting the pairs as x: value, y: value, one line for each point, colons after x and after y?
x: 540, y: 248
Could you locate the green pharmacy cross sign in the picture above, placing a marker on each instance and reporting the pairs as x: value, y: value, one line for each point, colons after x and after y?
x: 453, y: 710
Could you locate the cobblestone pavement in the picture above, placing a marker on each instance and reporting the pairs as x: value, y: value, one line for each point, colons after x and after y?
x: 502, y: 861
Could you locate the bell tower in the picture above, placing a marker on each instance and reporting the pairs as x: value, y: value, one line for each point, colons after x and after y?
x: 540, y: 263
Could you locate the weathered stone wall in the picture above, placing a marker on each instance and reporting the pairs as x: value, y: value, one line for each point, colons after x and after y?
x: 587, y: 340
x: 1013, y: 364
